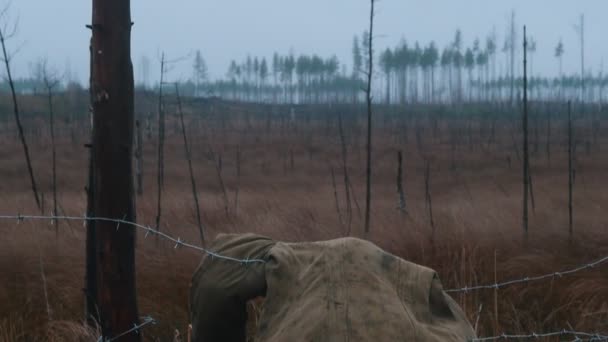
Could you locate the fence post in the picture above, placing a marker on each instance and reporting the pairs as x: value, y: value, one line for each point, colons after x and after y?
x: 112, y: 190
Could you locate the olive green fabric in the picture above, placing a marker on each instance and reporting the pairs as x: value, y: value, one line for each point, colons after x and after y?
x: 339, y: 290
x: 220, y: 288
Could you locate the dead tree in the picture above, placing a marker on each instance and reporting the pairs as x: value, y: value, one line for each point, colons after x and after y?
x: 161, y: 142
x: 50, y: 82
x: 429, y: 200
x: 580, y: 29
x: 139, y: 163
x: 349, y: 206
x: 548, y: 146
x: 6, y: 33
x: 333, y: 182
x: 400, y: 192
x: 238, y: 179
x: 570, y: 171
x: 111, y: 184
x: 220, y: 179
x: 526, y: 178
x: 368, y: 96
x: 531, y: 187
x: 189, y: 159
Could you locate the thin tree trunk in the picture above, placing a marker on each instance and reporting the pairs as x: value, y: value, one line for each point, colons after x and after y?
x: 139, y: 160
x: 368, y: 196
x: 44, y: 286
x: 349, y: 206
x: 161, y: 142
x: 190, y: 170
x: 26, y: 152
x: 548, y: 147
x: 526, y: 178
x: 49, y: 88
x: 218, y: 171
x: 570, y: 171
x: 333, y: 182
x: 429, y: 200
x: 238, y: 180
x: 112, y: 93
x: 531, y: 188
x: 400, y: 192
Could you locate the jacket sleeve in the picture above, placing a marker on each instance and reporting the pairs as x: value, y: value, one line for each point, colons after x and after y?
x: 221, y: 288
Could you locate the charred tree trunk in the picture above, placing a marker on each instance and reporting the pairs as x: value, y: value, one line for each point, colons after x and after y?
x: 548, y: 147
x: 139, y: 163
x: 161, y: 142
x: 333, y: 182
x: 189, y: 159
x: 400, y: 192
x: 368, y: 93
x: 238, y: 180
x: 349, y: 206
x: 526, y: 178
x: 6, y: 59
x: 112, y: 172
x: 429, y: 200
x: 49, y: 88
x: 570, y: 171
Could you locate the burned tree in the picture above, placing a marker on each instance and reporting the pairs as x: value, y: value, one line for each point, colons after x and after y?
x: 526, y: 169
x: 111, y: 247
x: 570, y: 171
x: 349, y: 206
x: 50, y: 82
x: 368, y: 96
x: 161, y: 141
x: 7, y: 32
x: 400, y: 192
x: 188, y: 153
x: 139, y: 156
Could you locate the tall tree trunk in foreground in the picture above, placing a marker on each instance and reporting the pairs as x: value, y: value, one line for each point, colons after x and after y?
x: 112, y: 184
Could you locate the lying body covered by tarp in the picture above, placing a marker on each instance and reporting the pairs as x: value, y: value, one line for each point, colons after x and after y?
x: 339, y: 290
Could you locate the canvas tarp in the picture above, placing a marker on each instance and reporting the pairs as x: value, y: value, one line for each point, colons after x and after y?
x: 339, y: 290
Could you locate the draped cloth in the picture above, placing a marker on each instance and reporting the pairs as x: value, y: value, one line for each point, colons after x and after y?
x: 339, y: 290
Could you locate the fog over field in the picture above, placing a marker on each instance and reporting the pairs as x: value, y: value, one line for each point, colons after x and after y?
x: 232, y: 29
x: 316, y: 171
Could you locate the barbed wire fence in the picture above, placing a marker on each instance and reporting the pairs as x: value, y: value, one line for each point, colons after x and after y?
x: 149, y: 231
x: 562, y: 333
x: 579, y: 336
x: 146, y: 321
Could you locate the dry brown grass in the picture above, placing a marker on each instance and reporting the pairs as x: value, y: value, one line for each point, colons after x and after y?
x: 477, y: 214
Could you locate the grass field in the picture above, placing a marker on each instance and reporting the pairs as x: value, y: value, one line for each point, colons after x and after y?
x: 475, y: 187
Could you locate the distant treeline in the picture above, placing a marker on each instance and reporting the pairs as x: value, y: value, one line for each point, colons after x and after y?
x: 407, y: 73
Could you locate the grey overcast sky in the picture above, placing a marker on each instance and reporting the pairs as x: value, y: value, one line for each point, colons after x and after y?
x: 231, y: 29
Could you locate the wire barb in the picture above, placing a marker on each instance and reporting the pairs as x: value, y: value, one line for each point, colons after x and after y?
x: 136, y: 329
x: 178, y: 242
x: 576, y: 334
x: 553, y: 275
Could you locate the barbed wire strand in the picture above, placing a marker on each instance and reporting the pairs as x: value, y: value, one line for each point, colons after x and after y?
x: 136, y: 328
x: 149, y: 231
x: 576, y: 334
x: 179, y: 242
x: 531, y: 279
